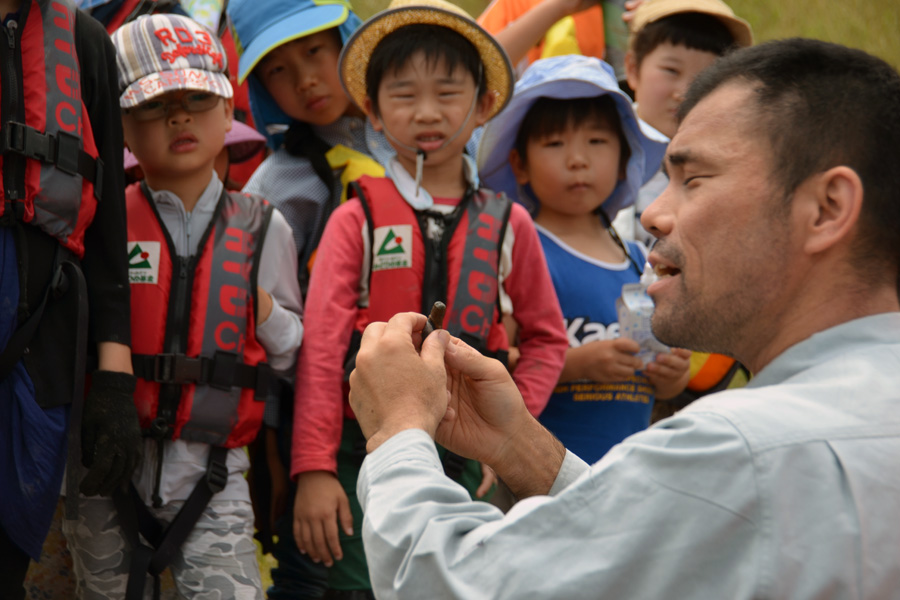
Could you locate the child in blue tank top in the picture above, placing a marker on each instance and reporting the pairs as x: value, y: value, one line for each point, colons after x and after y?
x: 570, y: 148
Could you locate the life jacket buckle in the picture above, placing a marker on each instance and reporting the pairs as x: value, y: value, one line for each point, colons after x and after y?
x: 67, y: 153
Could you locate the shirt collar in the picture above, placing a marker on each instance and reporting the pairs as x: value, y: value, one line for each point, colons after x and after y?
x: 420, y: 199
x: 878, y: 330
x: 207, y: 201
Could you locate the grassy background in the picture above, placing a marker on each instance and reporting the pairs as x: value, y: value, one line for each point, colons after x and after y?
x: 871, y: 25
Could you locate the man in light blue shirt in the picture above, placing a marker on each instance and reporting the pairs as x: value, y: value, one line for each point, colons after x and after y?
x: 778, y: 246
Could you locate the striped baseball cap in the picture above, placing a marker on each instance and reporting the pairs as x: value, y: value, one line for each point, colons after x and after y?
x: 161, y: 53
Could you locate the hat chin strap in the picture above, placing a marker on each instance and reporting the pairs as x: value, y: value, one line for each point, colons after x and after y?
x: 421, y: 155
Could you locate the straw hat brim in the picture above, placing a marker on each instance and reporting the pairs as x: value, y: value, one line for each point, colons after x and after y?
x: 354, y: 61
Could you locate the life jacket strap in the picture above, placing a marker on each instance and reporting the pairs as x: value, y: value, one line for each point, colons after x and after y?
x: 222, y: 371
x: 61, y: 150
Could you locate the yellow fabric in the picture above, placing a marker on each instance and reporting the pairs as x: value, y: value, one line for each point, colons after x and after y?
x: 353, y: 165
x: 560, y: 39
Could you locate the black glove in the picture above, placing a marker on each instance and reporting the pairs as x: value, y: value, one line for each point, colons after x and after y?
x: 111, y: 441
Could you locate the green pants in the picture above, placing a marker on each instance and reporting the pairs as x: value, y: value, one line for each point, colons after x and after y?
x: 351, y: 572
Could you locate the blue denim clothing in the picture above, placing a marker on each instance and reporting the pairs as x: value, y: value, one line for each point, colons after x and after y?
x: 32, y: 440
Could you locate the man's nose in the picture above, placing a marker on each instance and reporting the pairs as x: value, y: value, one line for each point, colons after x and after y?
x: 658, y: 218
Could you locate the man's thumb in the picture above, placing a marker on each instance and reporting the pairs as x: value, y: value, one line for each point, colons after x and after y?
x: 434, y: 346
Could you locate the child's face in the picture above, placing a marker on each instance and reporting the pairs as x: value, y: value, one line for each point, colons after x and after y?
x: 571, y: 172
x: 423, y: 105
x: 662, y: 79
x: 179, y: 132
x: 302, y: 76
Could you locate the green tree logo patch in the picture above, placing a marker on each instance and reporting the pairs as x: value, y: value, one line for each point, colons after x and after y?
x: 143, y: 262
x: 393, y: 244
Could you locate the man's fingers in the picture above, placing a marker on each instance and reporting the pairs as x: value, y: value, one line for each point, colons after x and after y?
x: 372, y: 333
x: 462, y: 357
x: 433, y: 348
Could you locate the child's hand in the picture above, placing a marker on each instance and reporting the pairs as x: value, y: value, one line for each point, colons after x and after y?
x: 513, y: 358
x: 263, y: 305
x: 604, y: 361
x: 320, y: 504
x: 670, y: 372
x: 630, y: 7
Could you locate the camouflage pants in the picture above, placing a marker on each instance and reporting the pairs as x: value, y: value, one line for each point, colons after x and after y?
x: 217, y: 561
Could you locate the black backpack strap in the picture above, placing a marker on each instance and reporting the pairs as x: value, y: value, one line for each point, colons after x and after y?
x: 165, y: 542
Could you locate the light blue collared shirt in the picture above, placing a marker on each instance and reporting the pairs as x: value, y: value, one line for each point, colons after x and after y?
x: 787, y: 488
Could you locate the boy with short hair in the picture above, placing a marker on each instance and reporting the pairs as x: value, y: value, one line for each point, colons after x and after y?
x: 427, y: 75
x: 288, y: 55
x: 671, y: 42
x: 215, y: 309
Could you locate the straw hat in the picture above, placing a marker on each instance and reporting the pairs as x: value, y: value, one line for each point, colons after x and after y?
x: 653, y: 10
x: 358, y: 50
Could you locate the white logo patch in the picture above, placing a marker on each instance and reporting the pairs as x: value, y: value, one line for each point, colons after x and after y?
x: 393, y: 247
x: 143, y: 262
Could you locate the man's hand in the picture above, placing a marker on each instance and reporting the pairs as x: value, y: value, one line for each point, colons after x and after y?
x: 111, y: 441
x: 487, y: 420
x: 320, y: 504
x: 394, y: 387
x: 486, y: 409
x: 468, y: 403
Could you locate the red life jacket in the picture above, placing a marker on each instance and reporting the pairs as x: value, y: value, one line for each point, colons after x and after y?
x: 193, y: 322
x: 52, y: 176
x: 465, y: 259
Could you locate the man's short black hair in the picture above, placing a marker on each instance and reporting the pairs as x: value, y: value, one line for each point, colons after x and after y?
x: 697, y: 31
x: 548, y: 116
x: 822, y: 105
x: 436, y: 42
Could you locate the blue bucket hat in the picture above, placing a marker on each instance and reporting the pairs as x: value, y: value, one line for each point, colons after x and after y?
x: 260, y: 26
x: 567, y: 77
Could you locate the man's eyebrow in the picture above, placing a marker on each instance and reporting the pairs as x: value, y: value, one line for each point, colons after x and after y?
x: 679, y: 158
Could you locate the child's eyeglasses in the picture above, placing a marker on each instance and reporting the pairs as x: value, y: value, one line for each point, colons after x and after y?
x: 159, y: 109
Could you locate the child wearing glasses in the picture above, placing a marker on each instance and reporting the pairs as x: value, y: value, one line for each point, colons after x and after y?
x: 215, y: 313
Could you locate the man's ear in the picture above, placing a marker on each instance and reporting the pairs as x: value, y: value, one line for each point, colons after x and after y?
x: 485, y: 104
x: 832, y: 202
x: 519, y: 168
x: 632, y: 71
x: 373, y: 117
x: 229, y: 113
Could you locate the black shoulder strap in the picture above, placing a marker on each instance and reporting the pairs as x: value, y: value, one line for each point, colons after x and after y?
x: 356, y: 191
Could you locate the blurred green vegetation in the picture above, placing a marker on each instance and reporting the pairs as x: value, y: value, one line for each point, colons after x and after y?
x: 871, y: 25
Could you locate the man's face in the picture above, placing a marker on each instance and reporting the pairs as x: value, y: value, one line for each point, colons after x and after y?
x: 724, y: 253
